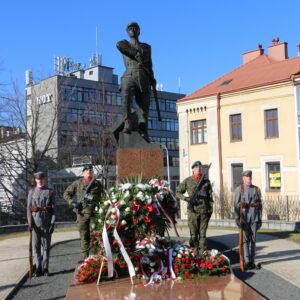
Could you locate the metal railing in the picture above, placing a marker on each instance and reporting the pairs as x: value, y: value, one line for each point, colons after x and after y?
x: 275, y: 207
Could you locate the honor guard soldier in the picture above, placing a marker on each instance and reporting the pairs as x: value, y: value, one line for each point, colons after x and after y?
x: 248, y: 200
x: 41, y: 220
x: 200, y: 205
x: 87, y: 191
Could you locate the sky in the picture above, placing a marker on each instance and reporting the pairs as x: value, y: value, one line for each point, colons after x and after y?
x: 193, y: 41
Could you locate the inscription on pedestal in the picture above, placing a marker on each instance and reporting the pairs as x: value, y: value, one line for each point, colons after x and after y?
x: 133, y: 162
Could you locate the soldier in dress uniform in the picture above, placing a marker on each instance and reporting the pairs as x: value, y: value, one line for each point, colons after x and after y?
x: 84, y: 204
x: 248, y: 196
x: 137, y: 79
x: 200, y: 212
x: 41, y: 220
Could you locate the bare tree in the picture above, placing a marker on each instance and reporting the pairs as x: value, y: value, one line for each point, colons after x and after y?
x: 28, y: 148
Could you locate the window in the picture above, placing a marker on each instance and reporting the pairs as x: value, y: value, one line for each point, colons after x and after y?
x: 235, y: 127
x: 236, y: 171
x: 271, y: 123
x: 273, y: 176
x: 198, y: 132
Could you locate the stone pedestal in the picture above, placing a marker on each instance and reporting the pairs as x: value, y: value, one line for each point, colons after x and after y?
x: 134, y: 162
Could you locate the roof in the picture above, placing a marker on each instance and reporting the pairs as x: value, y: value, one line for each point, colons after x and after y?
x: 260, y: 71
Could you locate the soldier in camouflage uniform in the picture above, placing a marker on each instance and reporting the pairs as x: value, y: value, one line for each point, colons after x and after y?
x: 249, y: 196
x: 41, y: 220
x: 84, y: 210
x: 200, y: 213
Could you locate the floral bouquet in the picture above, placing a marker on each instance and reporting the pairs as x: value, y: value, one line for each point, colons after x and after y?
x: 184, y: 261
x: 213, y: 263
x: 89, y: 270
x: 135, y: 210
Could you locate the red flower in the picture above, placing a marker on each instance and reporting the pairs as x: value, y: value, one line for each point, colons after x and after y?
x: 147, y: 219
x: 135, y: 206
x: 202, y: 265
x: 224, y: 269
x: 151, y: 226
x: 135, y: 220
x: 150, y: 208
x: 120, y: 226
x: 115, y: 243
x: 122, y: 264
x: 210, y: 266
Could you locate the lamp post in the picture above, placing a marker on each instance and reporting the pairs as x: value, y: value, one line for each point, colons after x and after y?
x: 168, y: 166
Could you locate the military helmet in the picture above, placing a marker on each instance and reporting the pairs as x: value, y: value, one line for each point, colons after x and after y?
x: 133, y: 24
x: 87, y: 167
x: 197, y: 163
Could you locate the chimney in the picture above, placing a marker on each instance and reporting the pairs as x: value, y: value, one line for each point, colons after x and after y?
x: 298, y: 50
x: 250, y: 55
x: 278, y: 51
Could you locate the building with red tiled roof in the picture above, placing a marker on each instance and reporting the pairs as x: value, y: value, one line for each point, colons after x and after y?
x: 246, y: 119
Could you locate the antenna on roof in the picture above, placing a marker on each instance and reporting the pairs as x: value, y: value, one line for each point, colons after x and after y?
x: 96, y: 41
x: 179, y: 85
x: 96, y: 59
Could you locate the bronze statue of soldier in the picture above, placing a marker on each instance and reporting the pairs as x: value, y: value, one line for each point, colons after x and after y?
x: 136, y: 81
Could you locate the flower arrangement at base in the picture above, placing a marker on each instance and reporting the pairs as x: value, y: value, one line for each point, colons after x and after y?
x: 135, y: 211
x: 127, y: 238
x: 184, y: 262
x: 213, y: 263
x: 88, y: 271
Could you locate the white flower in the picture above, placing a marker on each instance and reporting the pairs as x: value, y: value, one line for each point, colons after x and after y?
x: 179, y: 255
x: 140, y: 195
x: 107, y: 222
x: 127, y: 209
x: 100, y: 210
x: 152, y: 270
x: 93, y: 226
x: 141, y: 187
x: 214, y: 252
x: 127, y: 194
x: 174, y: 254
x: 149, y: 201
x: 113, y: 210
x: 107, y: 203
x: 126, y: 186
x: 122, y: 202
x: 152, y: 264
x: 100, y: 221
x: 96, y: 208
x: 136, y: 268
x: 123, y: 222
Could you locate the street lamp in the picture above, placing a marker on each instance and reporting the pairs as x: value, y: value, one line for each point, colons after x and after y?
x: 168, y: 166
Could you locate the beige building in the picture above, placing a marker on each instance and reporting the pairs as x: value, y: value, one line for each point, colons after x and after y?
x: 247, y: 119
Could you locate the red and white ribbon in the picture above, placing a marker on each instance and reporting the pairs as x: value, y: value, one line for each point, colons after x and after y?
x: 122, y: 248
x: 171, y: 220
x: 170, y: 261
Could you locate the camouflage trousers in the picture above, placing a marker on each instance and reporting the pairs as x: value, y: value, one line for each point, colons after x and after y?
x: 198, y: 223
x: 83, y: 223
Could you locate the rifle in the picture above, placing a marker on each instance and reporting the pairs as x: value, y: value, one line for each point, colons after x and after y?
x: 85, y: 201
x: 241, y: 238
x: 193, y: 199
x: 30, y: 248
